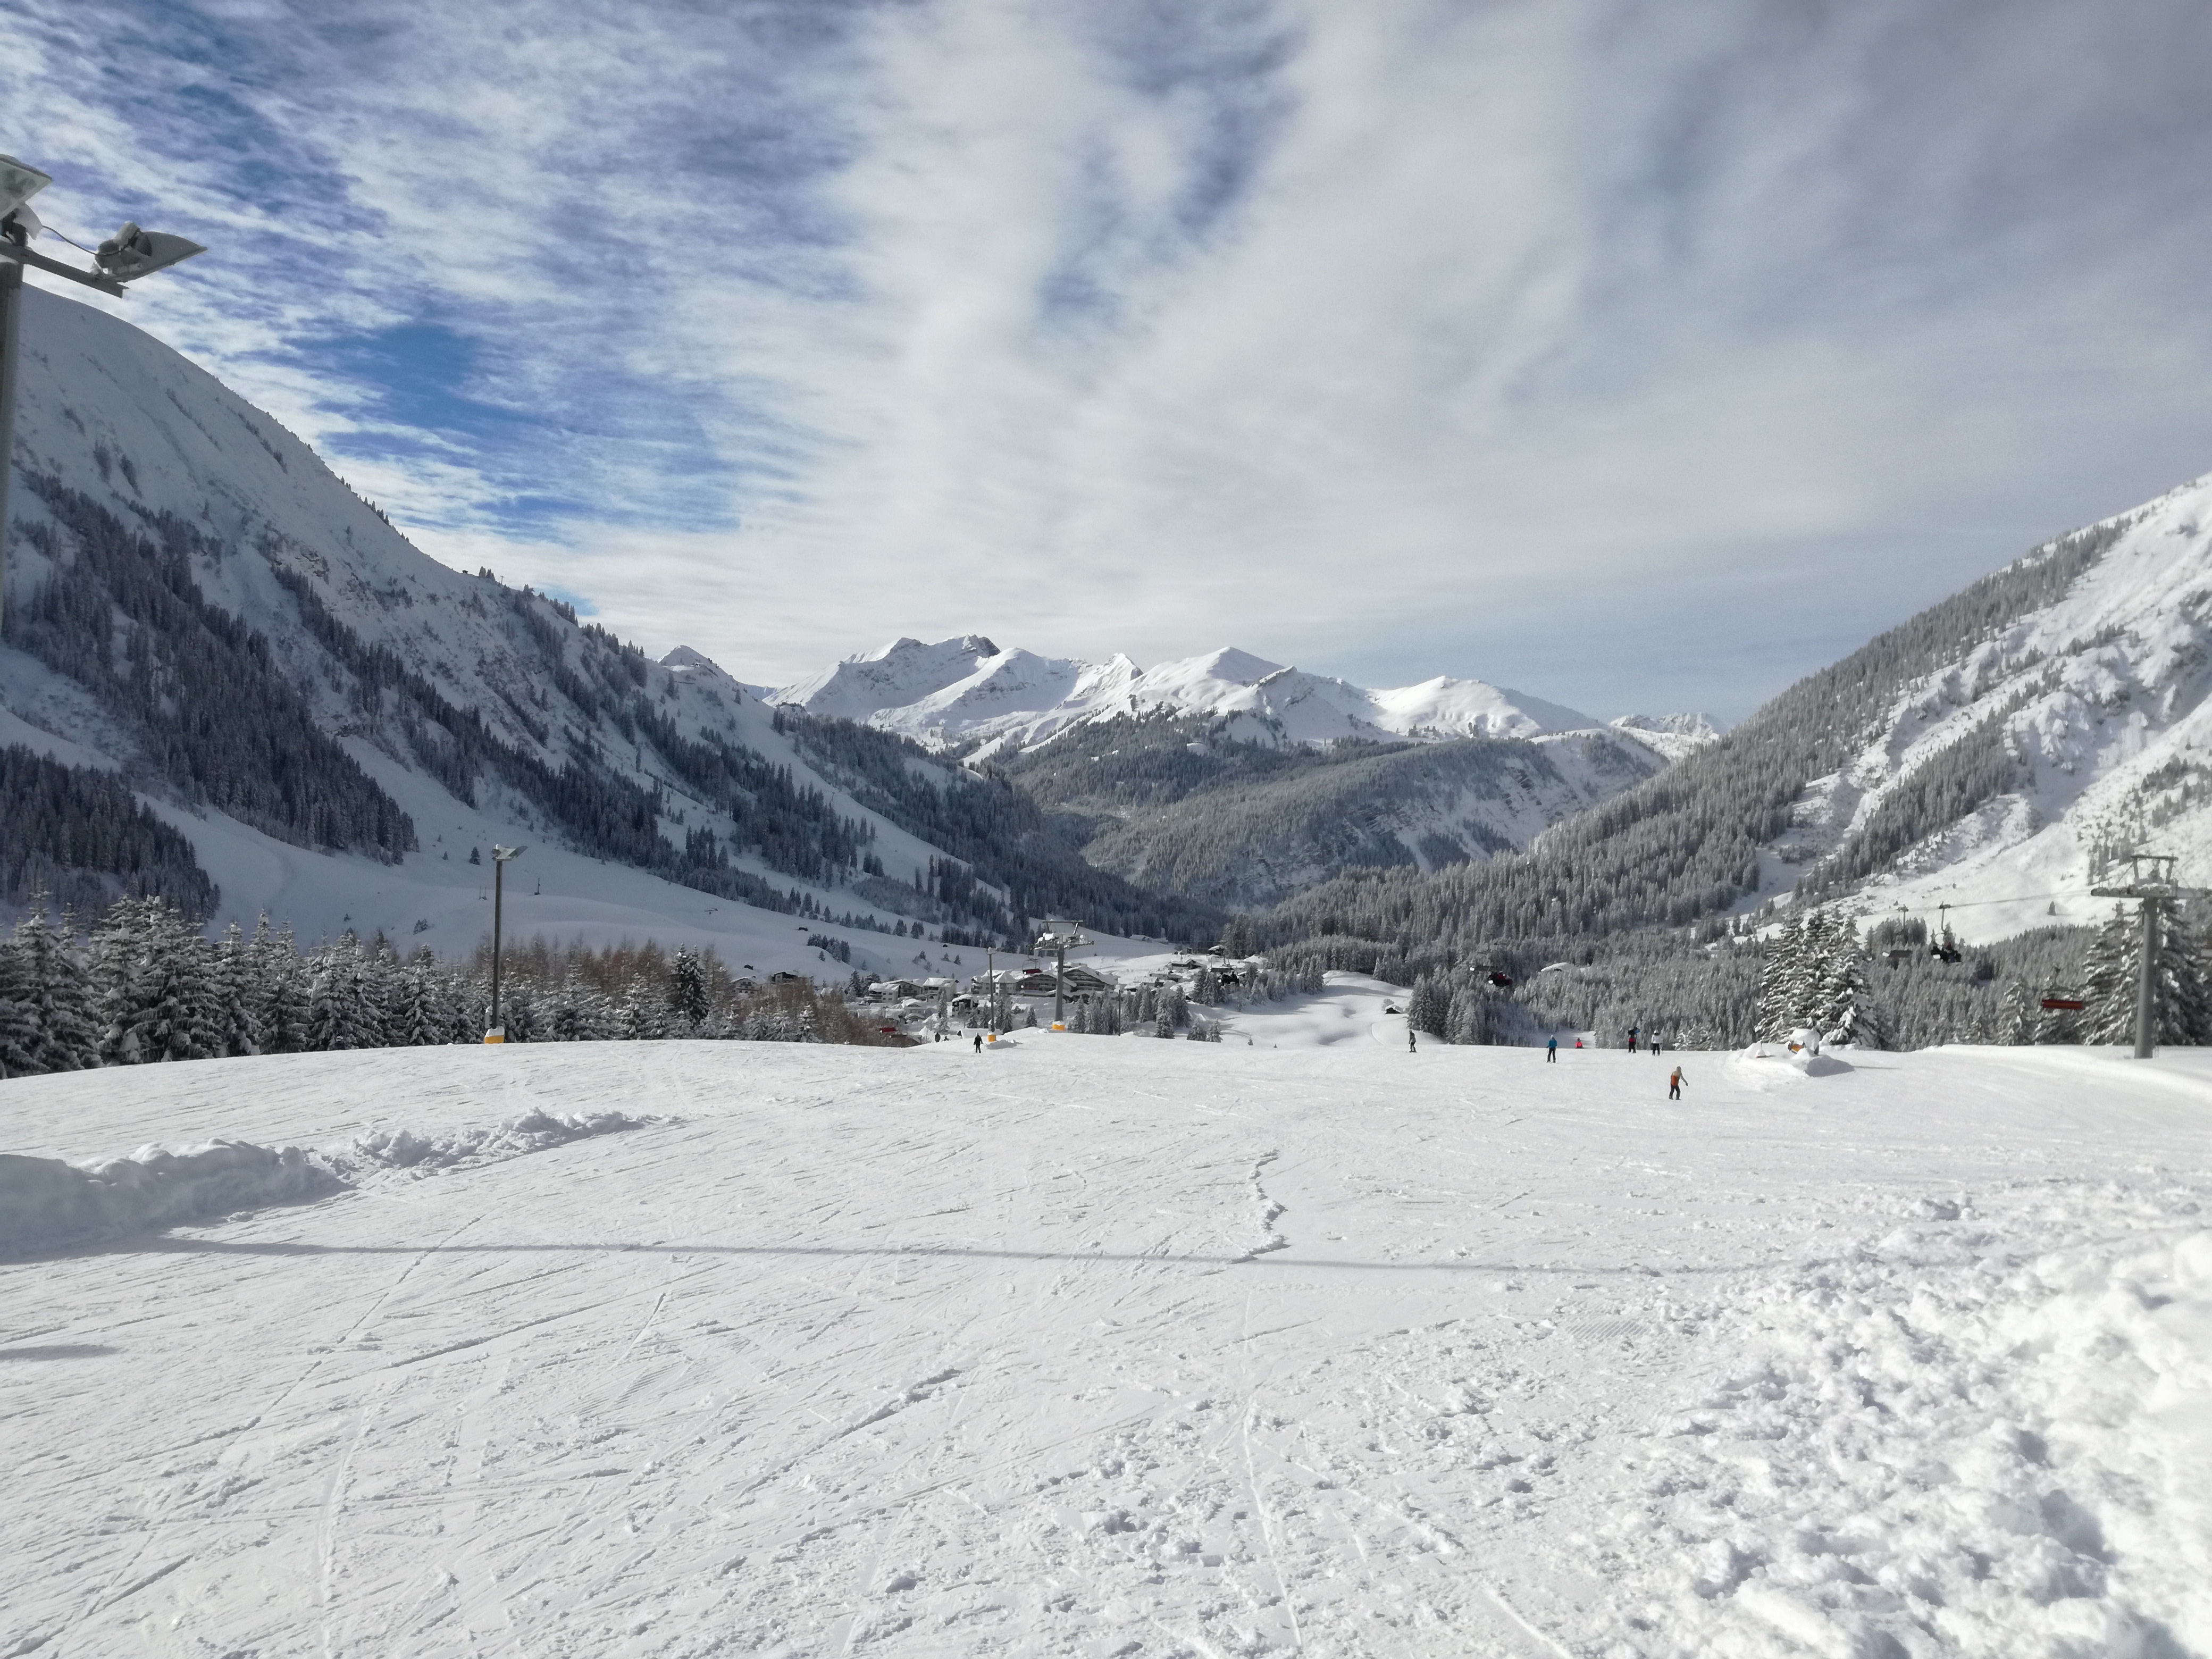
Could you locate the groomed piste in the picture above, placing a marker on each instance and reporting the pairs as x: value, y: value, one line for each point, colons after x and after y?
x: 1097, y: 1347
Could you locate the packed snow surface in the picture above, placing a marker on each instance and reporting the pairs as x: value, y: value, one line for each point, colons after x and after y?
x: 1088, y: 1346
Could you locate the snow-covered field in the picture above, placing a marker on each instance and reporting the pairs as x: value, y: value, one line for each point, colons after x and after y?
x: 1091, y: 1346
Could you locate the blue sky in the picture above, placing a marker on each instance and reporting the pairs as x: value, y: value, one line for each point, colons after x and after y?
x: 1641, y: 355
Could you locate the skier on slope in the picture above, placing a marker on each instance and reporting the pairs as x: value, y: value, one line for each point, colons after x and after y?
x: 979, y: 1042
x: 1674, y: 1084
x: 1411, y: 1045
x: 1632, y: 1039
x: 1552, y: 1052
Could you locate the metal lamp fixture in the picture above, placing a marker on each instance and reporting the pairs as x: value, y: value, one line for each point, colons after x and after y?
x: 126, y: 256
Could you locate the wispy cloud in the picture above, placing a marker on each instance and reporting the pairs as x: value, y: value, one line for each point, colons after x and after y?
x: 1634, y: 353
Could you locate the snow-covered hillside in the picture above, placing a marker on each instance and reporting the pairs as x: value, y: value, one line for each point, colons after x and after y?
x: 969, y: 691
x: 656, y: 798
x: 1091, y: 1346
x: 1671, y: 735
x: 2002, y: 783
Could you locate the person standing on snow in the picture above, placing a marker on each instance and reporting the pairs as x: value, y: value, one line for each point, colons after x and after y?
x: 1632, y: 1039
x: 979, y: 1042
x: 1552, y: 1052
x: 1411, y: 1045
x: 1675, y: 1084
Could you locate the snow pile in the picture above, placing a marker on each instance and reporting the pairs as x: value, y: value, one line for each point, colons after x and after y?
x: 1767, y: 1060
x: 533, y: 1131
x: 1963, y: 1438
x: 47, y: 1203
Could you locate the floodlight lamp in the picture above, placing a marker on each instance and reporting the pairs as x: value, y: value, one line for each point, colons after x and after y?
x: 19, y: 183
x: 131, y: 252
x: 502, y: 854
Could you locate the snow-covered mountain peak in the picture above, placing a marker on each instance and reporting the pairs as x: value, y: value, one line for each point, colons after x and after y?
x: 685, y: 659
x: 969, y: 691
x: 890, y: 677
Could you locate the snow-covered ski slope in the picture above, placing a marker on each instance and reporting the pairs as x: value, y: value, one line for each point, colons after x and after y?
x: 2099, y: 700
x: 1090, y: 1346
x: 969, y: 691
x: 110, y: 412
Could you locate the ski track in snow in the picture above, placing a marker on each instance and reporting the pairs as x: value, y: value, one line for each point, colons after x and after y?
x: 1129, y: 1347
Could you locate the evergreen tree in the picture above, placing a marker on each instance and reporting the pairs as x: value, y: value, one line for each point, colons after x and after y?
x: 69, y: 1024
x: 156, y: 1001
x: 1843, y: 1011
x: 337, y: 1016
x: 1781, y: 974
x: 1429, y: 1008
x: 419, y: 1015
x: 687, y: 990
x: 282, y: 984
x: 231, y: 976
x: 19, y: 1019
x: 1469, y: 1017
x: 643, y: 1016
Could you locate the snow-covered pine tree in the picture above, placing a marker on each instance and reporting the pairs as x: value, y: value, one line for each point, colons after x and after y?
x: 336, y: 1017
x: 643, y: 1017
x: 1429, y: 1007
x: 687, y: 991
x: 1780, y: 972
x: 68, y: 1037
x: 380, y: 993
x: 1467, y: 1017
x: 521, y: 1014
x: 1844, y: 1011
x: 419, y: 1015
x: 282, y: 985
x: 231, y: 976
x: 70, y: 1020
x: 19, y: 1019
x: 155, y: 1000
x: 2016, y: 1022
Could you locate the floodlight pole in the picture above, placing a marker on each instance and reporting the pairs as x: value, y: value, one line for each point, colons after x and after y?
x: 497, y: 1032
x: 130, y: 254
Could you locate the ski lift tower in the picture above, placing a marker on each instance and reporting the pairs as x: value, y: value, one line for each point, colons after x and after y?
x: 2152, y: 892
x: 124, y: 257
x: 1060, y: 943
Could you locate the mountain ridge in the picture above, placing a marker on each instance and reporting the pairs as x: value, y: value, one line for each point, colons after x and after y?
x: 969, y: 696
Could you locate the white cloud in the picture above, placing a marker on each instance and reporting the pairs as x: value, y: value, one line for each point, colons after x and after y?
x: 1635, y: 354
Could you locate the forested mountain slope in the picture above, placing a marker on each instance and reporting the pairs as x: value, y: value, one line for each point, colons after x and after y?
x: 1999, y: 742
x: 1175, y: 803
x: 337, y: 726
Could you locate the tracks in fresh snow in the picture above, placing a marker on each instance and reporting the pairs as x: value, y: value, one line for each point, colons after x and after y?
x: 1250, y: 1356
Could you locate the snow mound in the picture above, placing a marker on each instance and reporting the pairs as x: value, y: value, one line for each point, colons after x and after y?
x: 47, y: 1203
x: 1763, y: 1061
x: 1964, y: 1437
x: 533, y: 1131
